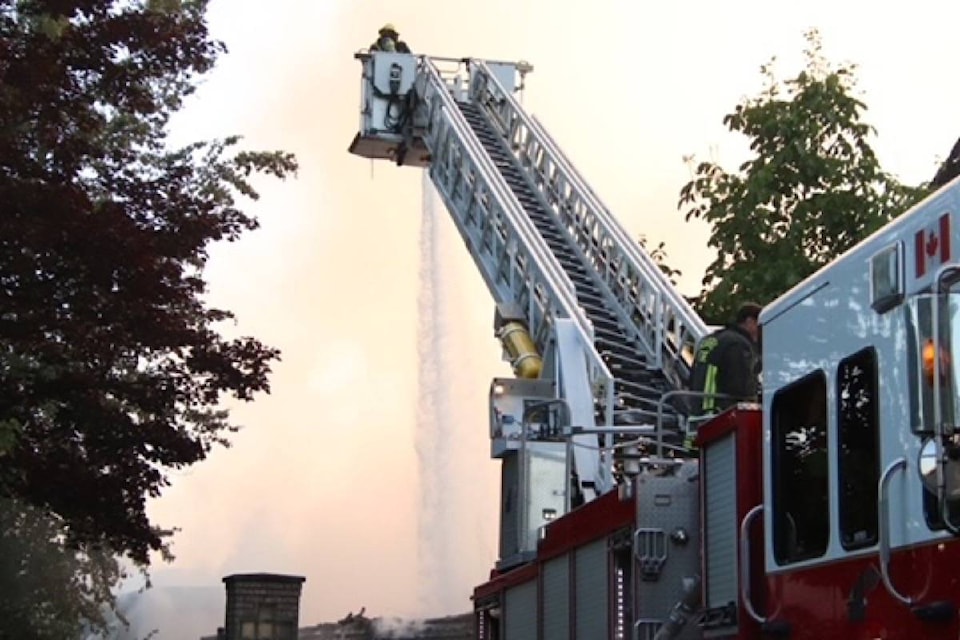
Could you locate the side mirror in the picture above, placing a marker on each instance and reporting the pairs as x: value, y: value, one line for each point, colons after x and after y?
x: 947, y: 279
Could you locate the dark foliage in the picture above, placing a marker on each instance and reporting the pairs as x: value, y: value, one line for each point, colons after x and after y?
x: 111, y: 366
x: 812, y: 189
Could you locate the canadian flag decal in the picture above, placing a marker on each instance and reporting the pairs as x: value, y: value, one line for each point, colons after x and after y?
x: 932, y: 246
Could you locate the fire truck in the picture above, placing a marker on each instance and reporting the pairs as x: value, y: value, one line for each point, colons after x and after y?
x: 830, y: 509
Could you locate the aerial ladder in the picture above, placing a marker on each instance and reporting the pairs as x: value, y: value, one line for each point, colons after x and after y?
x: 598, y: 337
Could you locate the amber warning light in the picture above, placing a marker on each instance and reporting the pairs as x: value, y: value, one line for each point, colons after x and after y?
x: 929, y: 352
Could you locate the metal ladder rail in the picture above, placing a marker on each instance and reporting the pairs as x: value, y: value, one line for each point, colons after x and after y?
x: 663, y: 320
x: 575, y: 202
x: 502, y: 241
x: 505, y: 249
x: 616, y: 348
x: 492, y: 207
x: 681, y: 325
x: 619, y: 349
x: 588, y: 296
x: 621, y: 354
x: 596, y: 230
x: 620, y: 402
x: 511, y: 255
x: 561, y: 224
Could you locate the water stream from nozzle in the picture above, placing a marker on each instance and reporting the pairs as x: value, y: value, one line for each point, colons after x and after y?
x: 435, y: 425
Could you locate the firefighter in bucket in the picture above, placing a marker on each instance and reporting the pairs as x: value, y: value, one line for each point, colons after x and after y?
x: 389, y: 40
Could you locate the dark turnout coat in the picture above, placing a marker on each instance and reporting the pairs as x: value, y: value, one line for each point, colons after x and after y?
x: 725, y: 363
x: 389, y: 43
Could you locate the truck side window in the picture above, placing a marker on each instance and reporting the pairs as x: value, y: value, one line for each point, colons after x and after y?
x: 858, y: 454
x: 801, y: 513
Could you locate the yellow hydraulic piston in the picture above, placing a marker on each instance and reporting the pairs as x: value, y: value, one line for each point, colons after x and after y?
x: 518, y: 344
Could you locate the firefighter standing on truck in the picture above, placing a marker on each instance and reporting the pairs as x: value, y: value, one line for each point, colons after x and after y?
x: 727, y: 363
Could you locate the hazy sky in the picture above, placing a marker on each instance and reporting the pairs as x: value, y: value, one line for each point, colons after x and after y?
x: 325, y: 480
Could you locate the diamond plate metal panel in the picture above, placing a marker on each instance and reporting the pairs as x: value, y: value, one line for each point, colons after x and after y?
x: 669, y: 503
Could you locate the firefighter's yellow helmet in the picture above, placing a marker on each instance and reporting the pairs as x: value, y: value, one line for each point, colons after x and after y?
x: 388, y: 29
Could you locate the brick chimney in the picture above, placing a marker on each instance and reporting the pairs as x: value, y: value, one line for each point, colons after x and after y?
x: 262, y: 606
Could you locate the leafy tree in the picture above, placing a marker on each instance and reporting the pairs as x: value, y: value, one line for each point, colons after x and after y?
x: 812, y: 189
x: 112, y: 369
x: 50, y: 590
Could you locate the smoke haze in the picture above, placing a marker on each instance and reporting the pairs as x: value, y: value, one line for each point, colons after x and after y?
x: 367, y: 469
